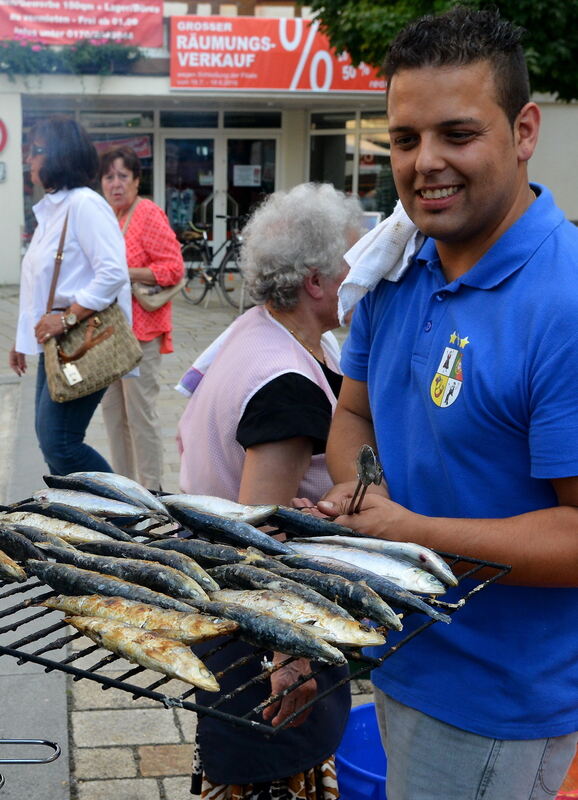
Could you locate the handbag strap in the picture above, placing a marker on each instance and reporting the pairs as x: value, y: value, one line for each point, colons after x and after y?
x: 129, y: 215
x: 57, y: 264
x: 91, y: 339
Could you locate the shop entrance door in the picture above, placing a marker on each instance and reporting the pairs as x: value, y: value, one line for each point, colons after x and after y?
x: 209, y: 178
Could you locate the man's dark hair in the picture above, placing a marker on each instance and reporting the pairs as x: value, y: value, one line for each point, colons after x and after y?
x: 464, y: 36
x: 70, y: 157
x: 128, y: 157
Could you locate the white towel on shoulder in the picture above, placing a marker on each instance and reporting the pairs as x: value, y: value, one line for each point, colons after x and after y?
x: 384, y: 253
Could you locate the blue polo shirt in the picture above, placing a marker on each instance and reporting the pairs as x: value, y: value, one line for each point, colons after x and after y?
x: 473, y: 387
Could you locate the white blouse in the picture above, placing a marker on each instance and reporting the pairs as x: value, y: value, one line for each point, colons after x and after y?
x: 93, y: 272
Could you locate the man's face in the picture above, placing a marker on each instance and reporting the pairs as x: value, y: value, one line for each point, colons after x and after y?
x: 458, y: 165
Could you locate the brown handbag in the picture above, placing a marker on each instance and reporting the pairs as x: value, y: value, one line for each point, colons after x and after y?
x: 92, y: 355
x: 151, y: 296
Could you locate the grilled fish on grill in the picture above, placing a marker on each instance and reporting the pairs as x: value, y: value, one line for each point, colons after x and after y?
x: 94, y: 504
x: 18, y: 546
x: 71, y: 532
x: 265, y: 630
x: 416, y: 554
x: 187, y: 628
x: 299, y: 523
x: 246, y: 576
x: 207, y: 554
x: 150, y: 650
x: 10, y: 570
x: 38, y: 536
x: 292, y: 608
x: 151, y: 574
x: 405, y: 575
x: 88, y: 484
x: 131, y: 488
x: 384, y: 588
x: 77, y: 516
x: 71, y: 580
x: 223, y: 508
x: 215, y: 527
x: 147, y: 553
x: 355, y: 596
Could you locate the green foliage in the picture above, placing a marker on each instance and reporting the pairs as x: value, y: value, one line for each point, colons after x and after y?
x: 88, y: 57
x: 365, y: 27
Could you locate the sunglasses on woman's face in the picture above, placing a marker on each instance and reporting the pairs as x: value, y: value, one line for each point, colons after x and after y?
x: 36, y: 150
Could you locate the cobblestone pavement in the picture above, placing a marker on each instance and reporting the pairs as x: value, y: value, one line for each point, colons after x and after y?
x: 119, y: 747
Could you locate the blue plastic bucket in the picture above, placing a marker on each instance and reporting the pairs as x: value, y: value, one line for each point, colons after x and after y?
x: 360, y: 758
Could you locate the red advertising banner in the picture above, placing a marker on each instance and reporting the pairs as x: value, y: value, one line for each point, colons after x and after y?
x: 67, y: 21
x: 252, y: 53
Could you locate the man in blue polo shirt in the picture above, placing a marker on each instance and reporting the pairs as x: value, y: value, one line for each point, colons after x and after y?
x: 465, y: 376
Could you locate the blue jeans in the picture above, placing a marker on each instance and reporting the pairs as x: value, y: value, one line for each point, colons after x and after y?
x: 430, y: 760
x: 61, y: 427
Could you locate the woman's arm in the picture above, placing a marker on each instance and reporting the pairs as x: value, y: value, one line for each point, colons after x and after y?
x: 165, y: 262
x: 273, y: 471
x: 271, y: 474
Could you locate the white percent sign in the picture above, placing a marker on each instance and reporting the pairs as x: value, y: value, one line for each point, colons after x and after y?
x: 321, y: 57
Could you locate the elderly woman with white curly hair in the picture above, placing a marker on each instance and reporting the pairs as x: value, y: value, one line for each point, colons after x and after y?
x: 255, y: 430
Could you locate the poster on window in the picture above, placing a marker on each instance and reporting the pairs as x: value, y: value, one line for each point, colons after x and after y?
x: 247, y: 175
x: 255, y: 53
x: 62, y: 22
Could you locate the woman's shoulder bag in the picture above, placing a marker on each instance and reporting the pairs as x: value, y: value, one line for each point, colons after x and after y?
x: 93, y: 354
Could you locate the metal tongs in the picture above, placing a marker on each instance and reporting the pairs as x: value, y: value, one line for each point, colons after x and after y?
x: 368, y: 471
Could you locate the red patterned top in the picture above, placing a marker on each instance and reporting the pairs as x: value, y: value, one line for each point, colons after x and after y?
x: 151, y: 242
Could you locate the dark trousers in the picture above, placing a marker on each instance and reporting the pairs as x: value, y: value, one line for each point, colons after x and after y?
x: 61, y: 427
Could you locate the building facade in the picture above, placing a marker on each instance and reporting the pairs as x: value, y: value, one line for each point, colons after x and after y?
x: 211, y: 154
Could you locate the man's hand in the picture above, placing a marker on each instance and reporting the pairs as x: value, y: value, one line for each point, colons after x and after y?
x: 378, y: 517
x: 17, y: 362
x: 280, y: 680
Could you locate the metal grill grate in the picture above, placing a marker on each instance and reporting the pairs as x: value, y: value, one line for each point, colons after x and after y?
x: 24, y: 635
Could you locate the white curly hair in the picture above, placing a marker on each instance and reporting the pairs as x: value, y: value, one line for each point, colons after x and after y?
x: 291, y: 233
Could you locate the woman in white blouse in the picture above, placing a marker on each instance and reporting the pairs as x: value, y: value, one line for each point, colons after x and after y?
x: 93, y: 274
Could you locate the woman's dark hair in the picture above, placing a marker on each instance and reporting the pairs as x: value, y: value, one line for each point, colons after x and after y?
x: 70, y: 157
x: 464, y: 36
x: 128, y: 157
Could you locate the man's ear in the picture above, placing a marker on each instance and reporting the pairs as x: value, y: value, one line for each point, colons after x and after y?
x: 312, y: 285
x: 526, y: 129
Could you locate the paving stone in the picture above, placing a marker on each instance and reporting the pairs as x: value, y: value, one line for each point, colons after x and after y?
x: 177, y: 788
x: 104, y: 762
x: 165, y: 759
x: 133, y: 726
x: 139, y: 789
x: 188, y: 722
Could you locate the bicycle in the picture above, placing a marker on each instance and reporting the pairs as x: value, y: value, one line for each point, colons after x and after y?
x: 201, y: 272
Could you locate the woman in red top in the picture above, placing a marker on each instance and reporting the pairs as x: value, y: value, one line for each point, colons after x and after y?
x: 154, y: 256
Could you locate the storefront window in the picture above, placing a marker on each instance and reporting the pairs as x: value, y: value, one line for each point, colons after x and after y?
x: 375, y: 185
x: 252, y: 119
x: 250, y: 173
x: 332, y: 120
x: 189, y: 119
x: 141, y: 143
x: 373, y: 119
x: 189, y: 181
x: 332, y: 160
x: 117, y: 119
x: 357, y: 161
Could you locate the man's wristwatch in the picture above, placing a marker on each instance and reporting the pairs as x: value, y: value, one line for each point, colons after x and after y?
x: 69, y: 320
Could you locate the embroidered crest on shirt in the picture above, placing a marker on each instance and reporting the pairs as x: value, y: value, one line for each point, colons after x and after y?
x: 447, y: 382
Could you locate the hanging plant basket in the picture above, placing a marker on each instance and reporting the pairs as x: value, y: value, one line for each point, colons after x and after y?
x: 88, y: 57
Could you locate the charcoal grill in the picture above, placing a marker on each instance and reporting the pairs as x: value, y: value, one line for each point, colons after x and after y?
x: 38, y: 635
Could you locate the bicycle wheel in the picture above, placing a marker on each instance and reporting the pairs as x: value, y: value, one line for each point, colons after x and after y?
x: 232, y: 283
x: 196, y: 286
